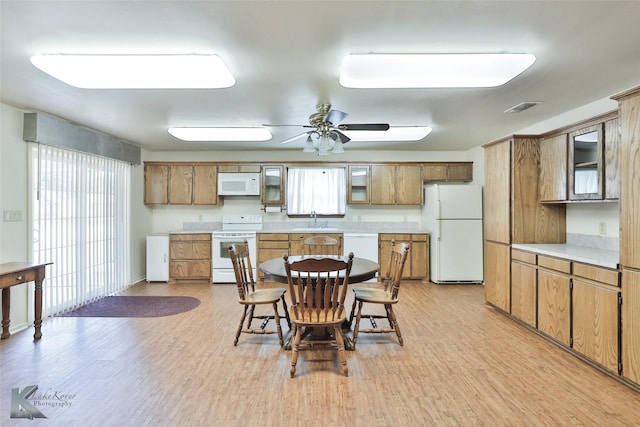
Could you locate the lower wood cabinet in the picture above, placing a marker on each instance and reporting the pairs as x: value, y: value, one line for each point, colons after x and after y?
x: 417, y: 264
x: 524, y: 287
x: 631, y: 322
x: 497, y: 283
x: 554, y: 305
x: 271, y: 245
x: 190, y: 257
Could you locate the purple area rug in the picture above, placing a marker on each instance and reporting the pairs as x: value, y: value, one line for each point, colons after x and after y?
x: 135, y: 306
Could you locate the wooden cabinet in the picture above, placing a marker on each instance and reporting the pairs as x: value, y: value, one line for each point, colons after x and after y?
x: 271, y: 245
x: 156, y: 184
x: 595, y: 308
x: 497, y: 284
x: 447, y: 172
x: 497, y: 192
x: 553, y: 169
x: 180, y: 184
x: 359, y: 184
x: 242, y: 168
x: 190, y: 257
x: 612, y: 159
x: 273, y: 185
x: 585, y: 163
x: 417, y: 264
x: 524, y: 286
x: 396, y: 184
x: 554, y: 299
x: 631, y: 325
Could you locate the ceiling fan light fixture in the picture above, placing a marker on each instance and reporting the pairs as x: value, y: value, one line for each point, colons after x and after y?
x: 201, y: 134
x: 131, y: 71
x: 338, y: 148
x: 308, y: 146
x: 432, y: 70
x: 395, y: 133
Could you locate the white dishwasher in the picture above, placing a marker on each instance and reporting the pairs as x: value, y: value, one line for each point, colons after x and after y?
x: 363, y: 245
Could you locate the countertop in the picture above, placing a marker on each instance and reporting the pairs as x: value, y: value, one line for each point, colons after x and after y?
x: 595, y: 256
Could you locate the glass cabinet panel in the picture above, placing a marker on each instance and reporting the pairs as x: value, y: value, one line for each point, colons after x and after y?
x: 358, y: 185
x: 585, y: 164
x: 272, y: 185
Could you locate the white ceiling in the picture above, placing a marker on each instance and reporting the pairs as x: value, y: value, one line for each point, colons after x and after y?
x: 286, y: 56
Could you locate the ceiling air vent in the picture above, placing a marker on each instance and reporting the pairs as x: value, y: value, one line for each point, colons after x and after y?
x: 521, y: 107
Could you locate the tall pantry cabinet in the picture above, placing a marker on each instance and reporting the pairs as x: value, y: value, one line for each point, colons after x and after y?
x: 513, y: 212
x: 629, y: 103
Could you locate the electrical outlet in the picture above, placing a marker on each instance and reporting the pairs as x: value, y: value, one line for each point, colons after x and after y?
x: 603, y: 228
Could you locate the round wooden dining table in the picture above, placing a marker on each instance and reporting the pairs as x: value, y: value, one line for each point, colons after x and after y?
x: 361, y: 270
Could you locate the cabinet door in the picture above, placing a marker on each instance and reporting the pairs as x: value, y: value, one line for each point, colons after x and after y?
x: 596, y: 323
x: 497, y: 283
x: 630, y: 186
x: 409, y: 185
x: 631, y: 325
x: 383, y: 184
x: 554, y: 298
x: 384, y: 253
x: 553, y: 169
x: 272, y: 185
x: 205, y: 185
x: 419, y: 255
x: 586, y: 164
x: 497, y: 192
x: 434, y: 172
x: 359, y: 184
x: 180, y: 184
x: 460, y: 172
x: 524, y: 292
x: 611, y: 159
x: 156, y: 184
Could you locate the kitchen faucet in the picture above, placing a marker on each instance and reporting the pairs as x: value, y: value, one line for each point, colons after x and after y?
x: 314, y: 215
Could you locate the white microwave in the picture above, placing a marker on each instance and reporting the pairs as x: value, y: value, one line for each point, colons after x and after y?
x: 238, y: 184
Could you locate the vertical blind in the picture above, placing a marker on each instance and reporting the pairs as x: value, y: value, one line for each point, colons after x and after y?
x: 80, y: 223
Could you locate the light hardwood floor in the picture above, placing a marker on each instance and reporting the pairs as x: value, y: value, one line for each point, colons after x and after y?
x: 463, y: 364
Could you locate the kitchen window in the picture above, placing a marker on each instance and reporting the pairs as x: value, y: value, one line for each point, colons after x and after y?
x: 320, y: 190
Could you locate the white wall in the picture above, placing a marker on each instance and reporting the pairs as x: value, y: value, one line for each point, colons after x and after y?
x: 585, y: 218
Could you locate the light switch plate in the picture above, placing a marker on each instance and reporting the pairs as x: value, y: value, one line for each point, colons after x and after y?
x: 11, y: 216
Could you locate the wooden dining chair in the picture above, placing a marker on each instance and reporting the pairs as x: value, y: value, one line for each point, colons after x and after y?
x: 317, y: 289
x: 386, y: 296
x: 249, y: 296
x: 321, y: 245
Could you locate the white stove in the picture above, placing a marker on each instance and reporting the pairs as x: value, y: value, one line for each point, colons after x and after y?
x: 235, y: 229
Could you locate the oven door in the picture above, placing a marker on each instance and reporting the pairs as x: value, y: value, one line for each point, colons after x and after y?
x: 222, y: 267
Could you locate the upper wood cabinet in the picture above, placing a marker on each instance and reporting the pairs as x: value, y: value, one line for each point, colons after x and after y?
x: 585, y: 163
x: 273, y: 185
x: 358, y: 184
x: 497, y: 192
x: 447, y: 172
x: 156, y: 184
x: 180, y: 184
x: 612, y: 159
x: 239, y: 168
x: 396, y: 184
x: 553, y: 168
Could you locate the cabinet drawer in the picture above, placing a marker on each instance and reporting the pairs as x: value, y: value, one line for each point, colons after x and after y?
x: 556, y: 264
x: 190, y: 270
x: 272, y: 236
x: 190, y: 250
x: 274, y: 245
x: 189, y: 237
x: 419, y: 237
x: 598, y: 274
x: 396, y: 237
x: 528, y: 257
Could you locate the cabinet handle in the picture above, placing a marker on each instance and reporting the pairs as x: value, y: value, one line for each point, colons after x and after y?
x: 20, y: 278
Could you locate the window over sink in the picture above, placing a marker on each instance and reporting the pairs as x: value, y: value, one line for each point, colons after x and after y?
x: 316, y: 189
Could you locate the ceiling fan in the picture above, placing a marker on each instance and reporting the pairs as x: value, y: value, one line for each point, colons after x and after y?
x: 325, y: 127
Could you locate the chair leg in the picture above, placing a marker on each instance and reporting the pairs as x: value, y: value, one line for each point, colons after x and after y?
x: 295, y: 349
x: 353, y: 310
x: 342, y: 355
x: 286, y: 312
x: 250, y: 319
x: 394, y: 323
x: 356, y: 329
x: 244, y: 314
x: 277, y: 320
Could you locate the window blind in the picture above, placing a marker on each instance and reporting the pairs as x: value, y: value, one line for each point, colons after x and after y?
x: 80, y: 222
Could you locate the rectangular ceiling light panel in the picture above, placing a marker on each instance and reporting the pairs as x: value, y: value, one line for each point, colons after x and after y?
x: 137, y: 71
x: 432, y: 70
x: 221, y: 133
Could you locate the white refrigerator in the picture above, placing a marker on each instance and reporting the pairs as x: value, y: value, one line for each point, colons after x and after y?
x: 452, y: 214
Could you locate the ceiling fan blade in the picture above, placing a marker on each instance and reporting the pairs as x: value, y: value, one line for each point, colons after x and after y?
x: 279, y: 125
x: 341, y: 136
x: 293, y: 138
x: 364, y: 126
x: 335, y: 116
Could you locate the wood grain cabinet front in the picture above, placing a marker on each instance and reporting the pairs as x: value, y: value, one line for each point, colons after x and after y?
x: 524, y: 286
x: 270, y: 246
x: 190, y: 257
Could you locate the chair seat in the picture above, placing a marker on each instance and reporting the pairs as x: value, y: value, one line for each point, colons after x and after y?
x: 376, y: 296
x: 264, y: 296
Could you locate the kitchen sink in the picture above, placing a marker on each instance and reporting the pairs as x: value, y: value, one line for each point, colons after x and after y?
x: 316, y: 229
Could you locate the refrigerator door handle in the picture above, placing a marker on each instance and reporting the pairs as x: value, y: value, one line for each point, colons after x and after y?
x: 165, y: 258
